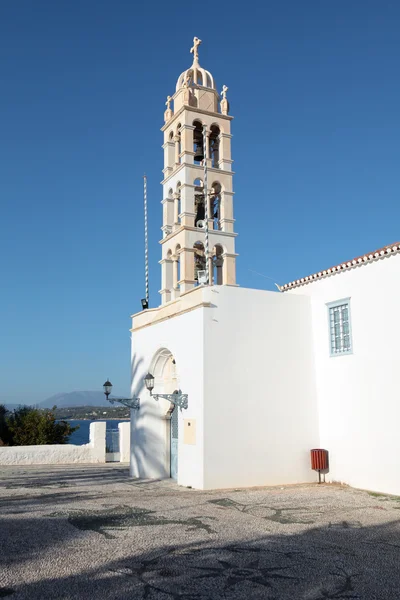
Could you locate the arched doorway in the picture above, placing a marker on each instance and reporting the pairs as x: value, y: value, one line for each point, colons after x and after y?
x: 163, y: 367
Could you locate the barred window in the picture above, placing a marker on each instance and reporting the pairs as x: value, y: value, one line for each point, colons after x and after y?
x: 339, y: 327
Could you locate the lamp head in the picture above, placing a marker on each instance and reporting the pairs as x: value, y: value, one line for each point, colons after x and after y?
x: 149, y: 382
x: 107, y: 386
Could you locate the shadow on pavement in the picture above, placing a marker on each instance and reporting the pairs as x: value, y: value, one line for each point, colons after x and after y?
x: 339, y: 561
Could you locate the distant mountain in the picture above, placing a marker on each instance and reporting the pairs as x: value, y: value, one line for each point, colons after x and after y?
x: 75, y: 399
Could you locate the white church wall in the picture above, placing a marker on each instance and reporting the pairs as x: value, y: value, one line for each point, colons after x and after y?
x: 260, y: 413
x: 358, y: 394
x: 183, y: 336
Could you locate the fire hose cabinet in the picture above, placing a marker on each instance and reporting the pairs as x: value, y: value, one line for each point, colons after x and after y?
x: 319, y: 461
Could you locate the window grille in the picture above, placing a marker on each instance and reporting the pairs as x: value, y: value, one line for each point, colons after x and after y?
x: 340, y: 330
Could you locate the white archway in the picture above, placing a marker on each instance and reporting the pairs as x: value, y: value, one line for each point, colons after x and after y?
x: 163, y: 368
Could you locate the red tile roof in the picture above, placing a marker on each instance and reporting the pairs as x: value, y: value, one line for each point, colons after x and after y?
x: 371, y: 256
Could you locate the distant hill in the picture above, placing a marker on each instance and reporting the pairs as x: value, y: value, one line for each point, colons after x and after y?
x: 69, y: 400
x: 75, y: 399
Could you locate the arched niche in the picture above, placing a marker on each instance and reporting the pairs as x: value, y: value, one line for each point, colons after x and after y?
x: 215, y: 205
x: 177, y: 267
x: 178, y: 206
x: 198, y: 201
x: 178, y: 142
x: 218, y: 263
x: 199, y: 259
x: 198, y: 142
x: 214, y: 146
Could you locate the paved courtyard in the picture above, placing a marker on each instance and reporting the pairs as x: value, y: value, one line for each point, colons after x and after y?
x: 90, y: 532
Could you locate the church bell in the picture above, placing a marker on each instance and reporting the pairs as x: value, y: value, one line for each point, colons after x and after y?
x: 199, y: 154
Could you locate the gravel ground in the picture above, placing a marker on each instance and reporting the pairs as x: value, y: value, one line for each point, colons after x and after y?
x: 90, y: 532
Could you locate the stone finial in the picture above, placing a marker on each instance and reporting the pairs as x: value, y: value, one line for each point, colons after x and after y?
x: 169, y: 112
x: 186, y: 89
x: 224, y: 101
x: 195, y: 49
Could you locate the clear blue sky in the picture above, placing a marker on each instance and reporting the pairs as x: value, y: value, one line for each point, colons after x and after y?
x: 83, y: 86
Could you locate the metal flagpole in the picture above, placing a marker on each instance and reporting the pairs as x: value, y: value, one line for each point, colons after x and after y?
x: 206, y: 241
x: 146, y: 245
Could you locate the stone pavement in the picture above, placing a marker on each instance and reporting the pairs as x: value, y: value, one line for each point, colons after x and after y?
x: 90, y: 532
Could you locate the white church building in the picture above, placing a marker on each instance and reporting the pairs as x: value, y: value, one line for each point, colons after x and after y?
x: 268, y: 375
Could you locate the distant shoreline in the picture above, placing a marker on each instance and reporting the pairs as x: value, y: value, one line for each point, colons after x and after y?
x: 91, y: 419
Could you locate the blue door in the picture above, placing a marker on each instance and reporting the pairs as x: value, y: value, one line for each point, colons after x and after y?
x: 174, y: 443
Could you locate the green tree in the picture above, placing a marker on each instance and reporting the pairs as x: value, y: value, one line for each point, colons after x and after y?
x: 5, y: 435
x: 33, y: 426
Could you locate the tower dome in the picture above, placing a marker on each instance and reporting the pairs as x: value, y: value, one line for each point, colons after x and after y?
x: 195, y: 75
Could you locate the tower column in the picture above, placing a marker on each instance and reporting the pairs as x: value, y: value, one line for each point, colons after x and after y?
x: 226, y: 211
x: 187, y: 281
x: 169, y: 149
x: 166, y: 279
x: 187, y: 205
x: 175, y: 277
x: 225, y: 161
x: 187, y: 151
x: 168, y: 214
x: 229, y: 269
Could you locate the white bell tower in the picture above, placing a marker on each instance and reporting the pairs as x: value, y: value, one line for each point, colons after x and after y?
x: 198, y: 113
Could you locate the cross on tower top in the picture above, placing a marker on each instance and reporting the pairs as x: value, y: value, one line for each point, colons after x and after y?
x: 195, y: 49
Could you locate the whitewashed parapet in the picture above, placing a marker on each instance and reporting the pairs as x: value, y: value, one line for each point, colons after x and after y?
x: 125, y: 441
x: 59, y: 454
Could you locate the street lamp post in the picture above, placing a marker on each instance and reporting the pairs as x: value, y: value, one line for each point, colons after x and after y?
x: 129, y: 402
x: 177, y: 398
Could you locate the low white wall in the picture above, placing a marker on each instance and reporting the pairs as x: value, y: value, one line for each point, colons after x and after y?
x: 59, y: 454
x: 124, y: 441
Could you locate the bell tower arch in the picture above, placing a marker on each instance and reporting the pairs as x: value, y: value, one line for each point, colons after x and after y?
x: 196, y: 107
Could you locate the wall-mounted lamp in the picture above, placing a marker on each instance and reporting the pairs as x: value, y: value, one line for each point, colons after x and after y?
x: 129, y: 402
x: 177, y: 398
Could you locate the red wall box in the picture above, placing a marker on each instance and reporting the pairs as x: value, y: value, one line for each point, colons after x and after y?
x: 319, y: 459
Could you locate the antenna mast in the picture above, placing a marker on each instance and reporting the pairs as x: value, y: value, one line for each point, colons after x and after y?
x: 206, y: 241
x: 146, y: 245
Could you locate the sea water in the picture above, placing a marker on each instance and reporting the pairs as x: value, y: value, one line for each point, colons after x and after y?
x: 81, y: 435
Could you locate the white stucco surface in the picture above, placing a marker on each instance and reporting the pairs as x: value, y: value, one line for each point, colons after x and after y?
x: 58, y: 454
x: 183, y: 337
x: 245, y: 359
x: 358, y: 394
x: 260, y: 413
x: 124, y: 441
x: 264, y: 390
